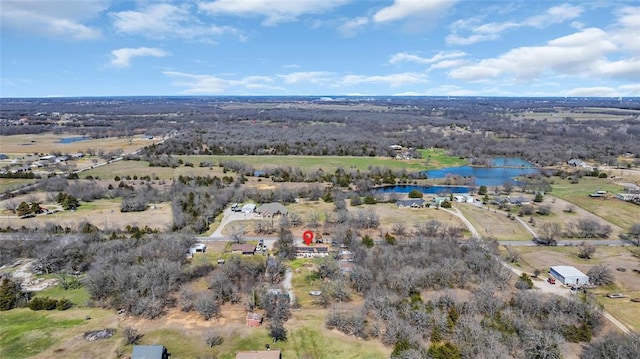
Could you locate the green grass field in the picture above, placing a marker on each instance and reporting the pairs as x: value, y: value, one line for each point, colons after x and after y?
x: 141, y: 168
x: 24, y: 333
x: 78, y: 297
x: 9, y: 184
x: 619, y: 213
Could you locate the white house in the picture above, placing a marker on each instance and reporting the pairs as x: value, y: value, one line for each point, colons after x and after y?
x: 463, y: 198
x: 569, y: 275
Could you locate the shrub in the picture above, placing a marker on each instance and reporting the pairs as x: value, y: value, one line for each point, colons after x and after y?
x: 524, y: 282
x: 46, y: 303
x: 415, y: 194
x: 367, y: 241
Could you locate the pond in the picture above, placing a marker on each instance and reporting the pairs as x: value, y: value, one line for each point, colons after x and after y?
x: 504, y: 169
x: 423, y: 189
x: 73, y: 139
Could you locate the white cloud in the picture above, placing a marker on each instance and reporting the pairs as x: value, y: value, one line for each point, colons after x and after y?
x: 593, y: 92
x: 392, y: 80
x: 630, y: 90
x: 350, y: 27
x: 626, y: 29
x: 167, y: 21
x: 493, y: 30
x: 402, y: 9
x: 440, y: 56
x: 582, y: 54
x: 274, y: 11
x: 310, y: 77
x: 210, y: 84
x: 122, y: 57
x: 59, y: 19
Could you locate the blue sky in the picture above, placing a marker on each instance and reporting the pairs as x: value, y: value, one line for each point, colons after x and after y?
x: 319, y: 47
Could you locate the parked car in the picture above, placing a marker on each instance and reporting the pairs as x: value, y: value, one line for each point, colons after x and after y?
x: 551, y: 280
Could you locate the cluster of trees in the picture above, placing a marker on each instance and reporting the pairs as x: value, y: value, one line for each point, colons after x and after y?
x: 138, y: 276
x: 408, y: 304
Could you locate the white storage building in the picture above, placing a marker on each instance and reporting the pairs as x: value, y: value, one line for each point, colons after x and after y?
x: 248, y: 208
x: 569, y: 275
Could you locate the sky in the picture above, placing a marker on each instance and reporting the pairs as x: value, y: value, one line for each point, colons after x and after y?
x: 51, y: 48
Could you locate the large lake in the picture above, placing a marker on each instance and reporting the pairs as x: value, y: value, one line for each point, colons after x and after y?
x: 503, y: 170
x: 444, y: 190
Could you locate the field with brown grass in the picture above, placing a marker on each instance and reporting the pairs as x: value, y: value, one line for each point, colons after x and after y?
x: 20, y: 145
x: 622, y: 262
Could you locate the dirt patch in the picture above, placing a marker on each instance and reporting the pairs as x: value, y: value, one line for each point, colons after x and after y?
x: 29, y: 283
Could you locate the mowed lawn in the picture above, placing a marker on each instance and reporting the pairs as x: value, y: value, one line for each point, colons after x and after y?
x: 615, y: 211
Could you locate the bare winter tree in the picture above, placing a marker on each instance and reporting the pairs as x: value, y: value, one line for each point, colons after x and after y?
x: 600, y: 274
x: 238, y: 233
x: 586, y: 250
x: 549, y: 233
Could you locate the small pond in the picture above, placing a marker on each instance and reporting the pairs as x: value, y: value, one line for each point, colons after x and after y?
x: 73, y: 139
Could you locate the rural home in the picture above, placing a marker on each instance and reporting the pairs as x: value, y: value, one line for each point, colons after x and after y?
x: 569, y: 275
x: 253, y: 319
x: 439, y: 200
x: 410, y: 203
x: 149, y: 352
x: 272, y: 209
x: 576, y: 163
x: 311, y: 251
x: 518, y: 201
x: 244, y: 249
x: 463, y: 198
x: 259, y: 354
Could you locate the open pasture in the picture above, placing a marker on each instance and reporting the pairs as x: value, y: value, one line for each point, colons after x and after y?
x: 614, y: 211
x: 19, y: 145
x: 490, y: 223
x: 438, y: 159
x: 142, y: 168
x: 103, y: 213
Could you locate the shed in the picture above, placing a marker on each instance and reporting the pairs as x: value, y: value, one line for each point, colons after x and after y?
x: 254, y: 319
x: 149, y: 352
x: 197, y: 248
x: 248, y: 208
x: 569, y: 275
x: 259, y: 354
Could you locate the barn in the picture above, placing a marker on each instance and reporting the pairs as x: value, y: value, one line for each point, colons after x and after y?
x: 569, y: 275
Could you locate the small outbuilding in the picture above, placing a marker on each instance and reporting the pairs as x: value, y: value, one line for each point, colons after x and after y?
x: 569, y: 275
x: 197, y: 248
x: 248, y: 208
x: 254, y: 319
x: 259, y: 354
